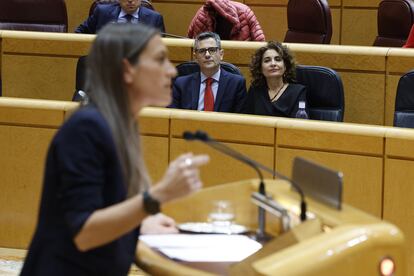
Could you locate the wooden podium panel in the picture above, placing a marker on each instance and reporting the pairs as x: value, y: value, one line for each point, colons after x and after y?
x: 398, y: 185
x: 22, y: 156
x: 398, y: 199
x: 362, y: 186
x: 355, y: 243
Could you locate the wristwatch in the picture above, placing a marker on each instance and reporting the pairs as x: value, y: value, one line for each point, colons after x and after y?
x: 151, y: 205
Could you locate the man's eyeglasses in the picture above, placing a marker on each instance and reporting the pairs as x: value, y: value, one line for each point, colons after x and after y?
x: 203, y: 51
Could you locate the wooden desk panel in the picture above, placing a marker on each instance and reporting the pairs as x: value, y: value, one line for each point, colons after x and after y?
x: 364, y: 97
x: 225, y: 127
x: 223, y: 169
x: 48, y: 114
x: 22, y: 158
x: 326, y: 137
x: 273, y: 21
x: 336, y: 14
x: 35, y: 64
x: 400, y: 60
x: 39, y: 77
x: 361, y: 3
x: 155, y: 121
x: 400, y: 144
x: 78, y: 11
x: 362, y: 186
x: 177, y: 16
x: 398, y: 201
x: 42, y: 43
x: 350, y: 58
x: 390, y: 94
x: 359, y: 26
x: 156, y: 152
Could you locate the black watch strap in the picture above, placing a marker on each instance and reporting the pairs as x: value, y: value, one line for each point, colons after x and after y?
x: 151, y: 205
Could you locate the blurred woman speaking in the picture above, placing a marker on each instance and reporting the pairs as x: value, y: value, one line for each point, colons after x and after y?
x: 96, y: 188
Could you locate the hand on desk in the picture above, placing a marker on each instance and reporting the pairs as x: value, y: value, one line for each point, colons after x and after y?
x: 158, y: 224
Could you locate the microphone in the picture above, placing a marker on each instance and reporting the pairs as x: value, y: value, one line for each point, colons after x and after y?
x: 202, y: 136
x: 173, y: 35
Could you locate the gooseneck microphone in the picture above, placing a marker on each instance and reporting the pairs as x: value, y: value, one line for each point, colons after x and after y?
x: 203, y: 137
x: 173, y: 35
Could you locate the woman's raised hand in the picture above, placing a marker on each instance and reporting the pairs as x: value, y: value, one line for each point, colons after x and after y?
x: 181, y: 178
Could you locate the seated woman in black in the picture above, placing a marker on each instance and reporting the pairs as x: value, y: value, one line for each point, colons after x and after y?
x: 272, y: 91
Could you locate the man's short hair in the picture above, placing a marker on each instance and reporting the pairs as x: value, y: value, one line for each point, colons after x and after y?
x: 206, y: 35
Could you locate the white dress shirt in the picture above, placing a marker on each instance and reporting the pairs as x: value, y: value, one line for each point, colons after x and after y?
x: 122, y: 19
x: 214, y: 88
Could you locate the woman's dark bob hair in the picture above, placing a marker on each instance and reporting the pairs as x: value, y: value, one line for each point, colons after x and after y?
x: 258, y: 79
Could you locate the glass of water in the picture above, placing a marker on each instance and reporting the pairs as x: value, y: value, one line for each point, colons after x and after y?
x: 222, y: 215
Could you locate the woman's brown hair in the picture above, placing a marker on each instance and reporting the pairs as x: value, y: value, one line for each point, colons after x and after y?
x: 258, y: 79
x: 105, y: 88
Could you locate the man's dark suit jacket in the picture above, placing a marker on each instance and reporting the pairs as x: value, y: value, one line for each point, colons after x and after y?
x: 104, y: 14
x: 231, y: 92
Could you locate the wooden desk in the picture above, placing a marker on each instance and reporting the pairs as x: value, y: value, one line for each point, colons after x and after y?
x: 377, y: 161
x: 42, y: 66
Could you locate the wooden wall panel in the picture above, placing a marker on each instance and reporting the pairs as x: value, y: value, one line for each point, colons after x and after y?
x: 273, y: 21
x: 362, y: 186
x: 155, y: 150
x: 398, y: 199
x: 50, y: 78
x: 78, y: 11
x: 359, y: 26
x: 361, y: 3
x: 22, y: 159
x: 336, y: 25
x: 224, y: 169
x: 358, y: 23
x: 364, y: 97
x: 177, y: 16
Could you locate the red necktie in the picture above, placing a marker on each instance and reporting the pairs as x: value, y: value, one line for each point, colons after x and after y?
x: 208, y: 96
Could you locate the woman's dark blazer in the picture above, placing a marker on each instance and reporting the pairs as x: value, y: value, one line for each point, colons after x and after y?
x: 258, y: 101
x: 83, y: 174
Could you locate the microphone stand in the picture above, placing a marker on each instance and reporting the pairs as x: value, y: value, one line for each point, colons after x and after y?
x: 261, y: 235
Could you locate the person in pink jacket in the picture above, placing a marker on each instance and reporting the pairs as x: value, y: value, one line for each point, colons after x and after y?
x: 231, y: 20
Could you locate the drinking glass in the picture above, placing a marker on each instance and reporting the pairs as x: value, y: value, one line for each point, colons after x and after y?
x: 222, y: 215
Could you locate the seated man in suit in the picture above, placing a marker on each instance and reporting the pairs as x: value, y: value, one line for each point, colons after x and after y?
x: 212, y: 89
x: 126, y: 11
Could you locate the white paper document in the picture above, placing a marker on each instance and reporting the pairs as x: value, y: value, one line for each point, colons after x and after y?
x: 203, y: 248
